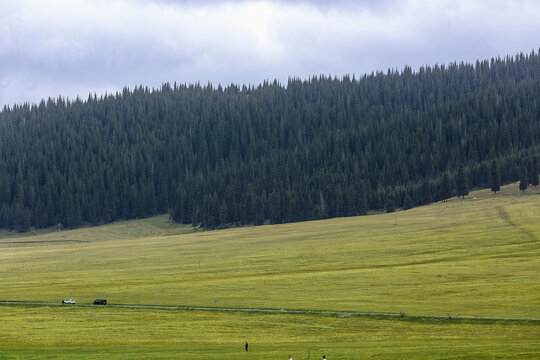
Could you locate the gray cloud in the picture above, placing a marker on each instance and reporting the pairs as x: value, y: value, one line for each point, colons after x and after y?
x: 73, y: 47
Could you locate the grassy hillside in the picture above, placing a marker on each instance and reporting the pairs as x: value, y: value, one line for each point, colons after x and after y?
x: 472, y: 257
x: 477, y: 256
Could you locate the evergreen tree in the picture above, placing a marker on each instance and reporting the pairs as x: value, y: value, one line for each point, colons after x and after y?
x: 250, y: 204
x: 407, y: 203
x: 322, y: 207
x: 177, y: 213
x: 258, y: 218
x: 523, y: 180
x: 446, y: 187
x: 533, y: 172
x: 243, y: 212
x: 494, y: 177
x: 363, y: 202
x: 206, y: 213
x: 389, y: 204
x: 21, y: 218
x: 40, y: 216
x: 196, y: 215
x: 462, y: 187
x: 426, y: 193
x: 275, y: 207
x: 68, y: 209
x: 25, y: 223
x: 215, y: 205
x: 339, y: 201
x: 223, y: 213
x: 351, y: 201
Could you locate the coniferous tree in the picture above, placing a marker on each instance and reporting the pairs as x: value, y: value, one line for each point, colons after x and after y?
x: 274, y: 207
x: 4, y: 215
x: 215, y: 204
x: 462, y: 187
x: 389, y: 204
x: 106, y: 212
x: 494, y: 177
x: 264, y: 205
x: 40, y: 216
x: 446, y: 187
x: 258, y: 218
x: 206, y: 213
x: 196, y: 215
x: 25, y: 223
x: 223, y: 214
x: 351, y: 201
x: 68, y: 209
x: 407, y: 203
x: 523, y: 179
x: 426, y: 193
x: 339, y: 201
x: 363, y: 202
x: 322, y: 207
x: 177, y: 213
x: 243, y: 211
x: 250, y: 204
x: 533, y: 172
x: 76, y: 219
x: 22, y: 218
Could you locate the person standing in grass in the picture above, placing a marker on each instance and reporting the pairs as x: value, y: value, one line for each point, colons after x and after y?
x: 246, y: 346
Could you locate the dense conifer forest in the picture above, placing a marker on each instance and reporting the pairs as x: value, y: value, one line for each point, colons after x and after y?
x: 309, y: 149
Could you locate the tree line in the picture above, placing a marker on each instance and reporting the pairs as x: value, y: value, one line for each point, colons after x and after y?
x: 317, y: 148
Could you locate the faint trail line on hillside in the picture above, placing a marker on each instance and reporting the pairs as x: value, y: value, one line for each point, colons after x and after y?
x: 275, y: 311
x: 504, y: 215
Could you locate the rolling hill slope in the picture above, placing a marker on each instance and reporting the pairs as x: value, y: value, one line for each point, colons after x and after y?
x: 477, y: 256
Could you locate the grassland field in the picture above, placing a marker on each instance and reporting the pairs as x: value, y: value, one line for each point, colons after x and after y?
x: 474, y: 256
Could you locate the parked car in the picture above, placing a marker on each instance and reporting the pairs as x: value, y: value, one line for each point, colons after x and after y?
x: 69, y: 301
x: 100, y: 302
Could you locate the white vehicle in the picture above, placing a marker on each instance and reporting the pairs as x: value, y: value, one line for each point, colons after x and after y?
x: 69, y: 301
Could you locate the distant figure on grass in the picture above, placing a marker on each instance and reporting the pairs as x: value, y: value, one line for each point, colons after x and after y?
x: 290, y: 358
x: 246, y: 346
x: 324, y: 357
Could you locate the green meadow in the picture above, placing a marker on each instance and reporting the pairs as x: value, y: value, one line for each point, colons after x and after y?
x: 112, y: 333
x: 478, y: 256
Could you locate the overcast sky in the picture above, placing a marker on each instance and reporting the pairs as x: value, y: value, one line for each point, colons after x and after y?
x: 74, y: 47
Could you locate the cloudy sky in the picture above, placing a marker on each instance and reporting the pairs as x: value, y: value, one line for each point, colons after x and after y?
x: 74, y: 47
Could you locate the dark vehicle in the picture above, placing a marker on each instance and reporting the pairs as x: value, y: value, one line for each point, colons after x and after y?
x: 100, y: 302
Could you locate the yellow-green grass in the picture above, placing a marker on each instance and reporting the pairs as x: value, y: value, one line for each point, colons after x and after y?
x: 116, y: 333
x: 154, y: 226
x: 477, y: 256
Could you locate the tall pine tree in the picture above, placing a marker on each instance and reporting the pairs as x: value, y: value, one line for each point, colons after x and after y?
x: 426, y: 193
x: 523, y: 180
x: 494, y: 177
x: 462, y: 183
x: 533, y: 172
x: 446, y: 187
